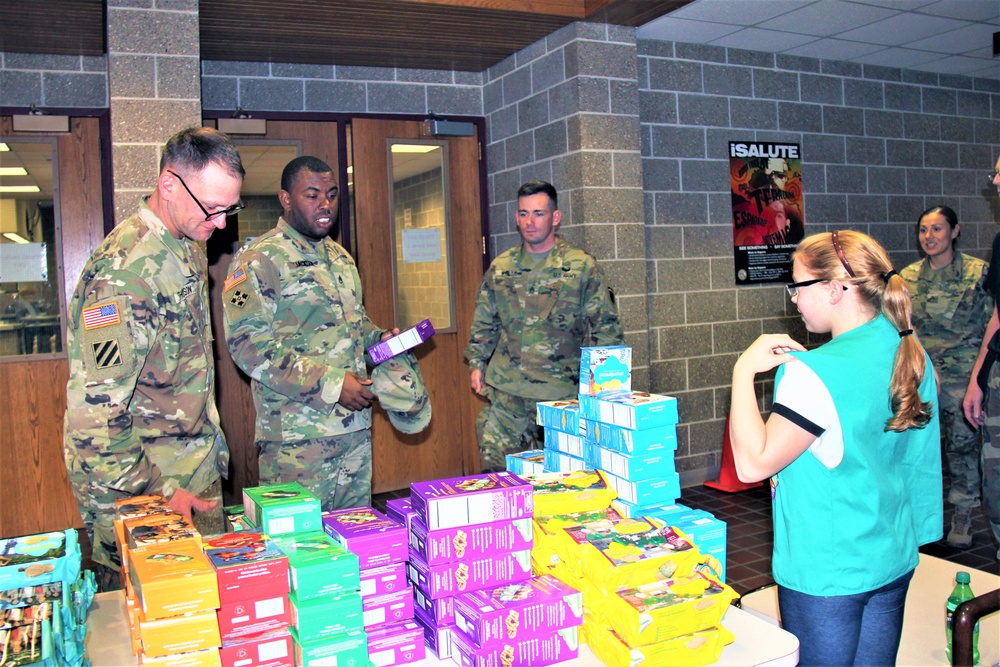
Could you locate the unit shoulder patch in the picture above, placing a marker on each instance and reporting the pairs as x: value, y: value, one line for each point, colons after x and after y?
x: 106, y: 341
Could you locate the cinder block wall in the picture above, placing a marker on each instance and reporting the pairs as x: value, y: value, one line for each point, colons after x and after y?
x: 879, y: 146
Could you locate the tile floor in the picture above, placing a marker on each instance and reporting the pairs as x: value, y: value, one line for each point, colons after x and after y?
x: 750, y: 535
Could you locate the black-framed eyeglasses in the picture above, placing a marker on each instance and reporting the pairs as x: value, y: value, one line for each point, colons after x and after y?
x: 993, y: 175
x: 232, y: 210
x: 793, y: 288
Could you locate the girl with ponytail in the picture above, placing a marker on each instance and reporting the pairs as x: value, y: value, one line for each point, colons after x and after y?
x: 852, y: 446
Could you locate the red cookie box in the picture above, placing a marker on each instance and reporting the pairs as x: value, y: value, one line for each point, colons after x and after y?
x: 437, y: 636
x: 268, y: 649
x: 509, y: 613
x: 463, y: 501
x: 249, y: 566
x: 441, y: 611
x: 533, y: 651
x: 388, y: 608
x: 376, y: 539
x: 250, y: 617
x: 451, y: 544
x: 437, y: 581
x: 382, y: 580
x: 396, y: 643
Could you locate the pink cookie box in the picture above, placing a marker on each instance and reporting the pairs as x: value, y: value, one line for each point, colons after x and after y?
x: 400, y: 510
x: 437, y: 581
x: 441, y: 611
x: 463, y: 501
x: 268, y: 649
x: 249, y: 566
x: 508, y: 613
x: 376, y: 539
x: 250, y: 617
x: 396, y: 643
x: 388, y: 608
x: 529, y: 651
x: 382, y: 580
x: 437, y: 636
x: 451, y: 544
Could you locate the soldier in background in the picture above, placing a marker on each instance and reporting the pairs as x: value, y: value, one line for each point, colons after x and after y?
x: 538, y: 304
x: 950, y: 312
x: 295, y: 323
x: 141, y: 415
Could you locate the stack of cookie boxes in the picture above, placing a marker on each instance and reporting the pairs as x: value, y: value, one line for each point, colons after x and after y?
x: 44, y: 600
x: 171, y: 590
x: 466, y: 534
x: 380, y: 544
x: 324, y: 601
x: 648, y: 596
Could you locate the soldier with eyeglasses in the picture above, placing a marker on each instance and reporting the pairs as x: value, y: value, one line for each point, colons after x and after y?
x: 141, y: 416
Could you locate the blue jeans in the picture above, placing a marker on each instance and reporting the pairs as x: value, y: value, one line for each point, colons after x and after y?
x: 859, y: 629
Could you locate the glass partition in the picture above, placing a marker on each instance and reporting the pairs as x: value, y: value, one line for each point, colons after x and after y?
x: 422, y: 268
x: 30, y: 280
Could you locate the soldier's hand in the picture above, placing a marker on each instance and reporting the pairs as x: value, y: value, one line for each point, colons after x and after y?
x: 477, y: 381
x: 973, y: 404
x: 183, y: 502
x: 354, y: 395
x: 386, y: 335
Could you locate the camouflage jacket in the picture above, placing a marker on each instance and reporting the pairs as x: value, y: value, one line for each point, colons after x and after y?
x: 296, y: 325
x: 950, y: 312
x: 141, y: 414
x: 529, y: 324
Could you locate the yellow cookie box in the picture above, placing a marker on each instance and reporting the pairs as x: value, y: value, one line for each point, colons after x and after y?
x: 179, y: 634
x: 205, y: 658
x: 700, y: 648
x: 663, y: 610
x: 566, y: 492
x: 173, y: 582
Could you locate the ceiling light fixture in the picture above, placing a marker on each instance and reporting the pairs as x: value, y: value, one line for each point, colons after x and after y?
x: 16, y: 238
x: 13, y: 171
x: 19, y: 188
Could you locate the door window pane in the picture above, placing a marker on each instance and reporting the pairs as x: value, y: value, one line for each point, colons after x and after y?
x: 30, y: 270
x: 422, y: 275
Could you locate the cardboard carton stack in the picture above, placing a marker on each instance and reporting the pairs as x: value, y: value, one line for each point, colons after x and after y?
x: 254, y: 611
x: 563, y: 451
x: 44, y: 600
x: 380, y: 544
x: 465, y: 534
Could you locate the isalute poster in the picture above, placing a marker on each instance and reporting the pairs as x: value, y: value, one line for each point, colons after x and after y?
x: 765, y: 181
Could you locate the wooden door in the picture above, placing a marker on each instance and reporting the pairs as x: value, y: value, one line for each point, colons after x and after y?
x: 236, y: 408
x: 448, y: 447
x: 34, y: 490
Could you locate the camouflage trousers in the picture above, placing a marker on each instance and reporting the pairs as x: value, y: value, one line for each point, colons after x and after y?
x: 990, y: 457
x: 962, y: 446
x: 506, y: 425
x: 101, y: 530
x: 337, y: 469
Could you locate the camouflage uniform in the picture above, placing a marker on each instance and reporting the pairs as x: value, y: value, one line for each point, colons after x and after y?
x: 951, y: 309
x: 990, y: 458
x: 141, y: 414
x: 296, y: 325
x: 529, y: 325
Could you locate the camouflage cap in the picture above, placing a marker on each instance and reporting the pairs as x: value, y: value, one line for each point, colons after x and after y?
x: 401, y: 391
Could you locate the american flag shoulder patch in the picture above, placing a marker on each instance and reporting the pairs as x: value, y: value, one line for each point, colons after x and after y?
x: 101, y: 315
x: 235, y: 278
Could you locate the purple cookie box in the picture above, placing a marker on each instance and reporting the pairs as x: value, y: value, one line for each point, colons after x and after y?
x: 382, y: 580
x: 376, y: 539
x: 446, y: 545
x: 405, y: 340
x: 388, y: 608
x: 508, y: 613
x: 437, y: 581
x: 528, y: 651
x: 437, y: 637
x: 396, y: 643
x: 463, y: 501
x: 400, y: 511
x: 441, y: 611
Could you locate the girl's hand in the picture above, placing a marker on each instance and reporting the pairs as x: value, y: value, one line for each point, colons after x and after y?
x: 767, y: 352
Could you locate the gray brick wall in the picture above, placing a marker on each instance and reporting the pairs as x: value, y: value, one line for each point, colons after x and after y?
x: 53, y: 81
x: 879, y: 146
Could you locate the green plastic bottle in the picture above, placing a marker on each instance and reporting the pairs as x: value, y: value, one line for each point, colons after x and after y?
x: 961, y: 593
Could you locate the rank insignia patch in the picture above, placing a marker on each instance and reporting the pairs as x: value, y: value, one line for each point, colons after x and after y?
x: 107, y: 354
x: 101, y: 315
x: 237, y: 276
x: 239, y: 298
